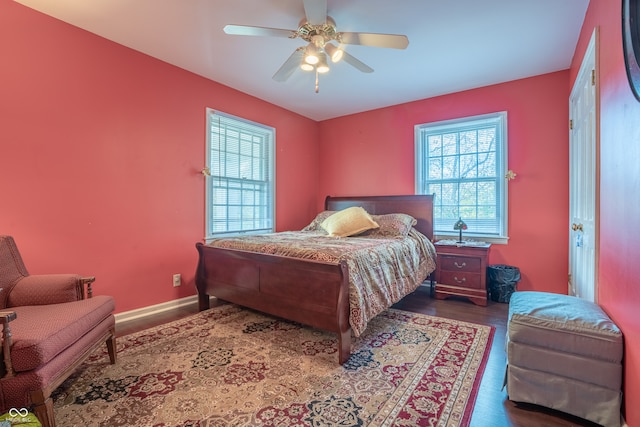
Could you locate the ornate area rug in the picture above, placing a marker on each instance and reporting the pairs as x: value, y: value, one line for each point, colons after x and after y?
x: 230, y: 366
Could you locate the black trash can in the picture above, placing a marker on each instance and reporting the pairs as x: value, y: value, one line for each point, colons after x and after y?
x: 502, y: 281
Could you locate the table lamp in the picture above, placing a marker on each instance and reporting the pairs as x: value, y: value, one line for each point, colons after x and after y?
x: 460, y: 225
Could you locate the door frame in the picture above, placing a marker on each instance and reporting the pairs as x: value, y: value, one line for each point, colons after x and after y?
x: 591, y: 55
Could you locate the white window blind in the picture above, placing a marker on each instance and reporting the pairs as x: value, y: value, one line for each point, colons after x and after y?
x: 463, y: 162
x: 240, y: 188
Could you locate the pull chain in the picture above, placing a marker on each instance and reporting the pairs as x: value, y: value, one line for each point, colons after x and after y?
x: 317, y: 85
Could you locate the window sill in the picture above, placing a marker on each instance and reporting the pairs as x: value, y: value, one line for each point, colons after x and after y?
x: 208, y: 239
x: 492, y: 240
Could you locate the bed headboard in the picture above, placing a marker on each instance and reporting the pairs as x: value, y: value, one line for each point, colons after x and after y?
x: 419, y: 206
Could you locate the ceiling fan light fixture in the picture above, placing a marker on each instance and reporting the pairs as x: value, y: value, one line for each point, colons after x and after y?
x: 322, y: 66
x: 335, y: 53
x: 323, y: 40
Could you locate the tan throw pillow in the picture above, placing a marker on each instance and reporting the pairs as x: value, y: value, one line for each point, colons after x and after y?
x: 349, y: 222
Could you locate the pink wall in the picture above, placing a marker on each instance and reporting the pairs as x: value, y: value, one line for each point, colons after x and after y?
x: 619, y: 269
x: 101, y: 148
x: 373, y: 153
x: 100, y: 153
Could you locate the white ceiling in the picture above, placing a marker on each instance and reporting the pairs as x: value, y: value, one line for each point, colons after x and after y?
x: 454, y: 45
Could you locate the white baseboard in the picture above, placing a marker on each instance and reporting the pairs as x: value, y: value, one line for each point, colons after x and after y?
x: 138, y: 313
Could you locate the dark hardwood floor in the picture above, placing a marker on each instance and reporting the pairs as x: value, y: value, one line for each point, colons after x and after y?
x: 492, y: 408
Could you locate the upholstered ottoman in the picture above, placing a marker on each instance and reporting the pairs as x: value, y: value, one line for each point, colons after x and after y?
x: 564, y: 353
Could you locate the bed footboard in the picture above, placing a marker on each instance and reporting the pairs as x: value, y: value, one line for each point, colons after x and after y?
x: 305, y: 291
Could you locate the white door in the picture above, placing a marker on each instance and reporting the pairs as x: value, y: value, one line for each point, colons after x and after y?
x: 583, y: 179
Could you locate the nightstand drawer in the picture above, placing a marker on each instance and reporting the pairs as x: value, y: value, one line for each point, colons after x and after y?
x: 457, y: 263
x: 460, y: 278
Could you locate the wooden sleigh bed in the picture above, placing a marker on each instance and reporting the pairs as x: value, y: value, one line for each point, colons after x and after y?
x: 310, y: 292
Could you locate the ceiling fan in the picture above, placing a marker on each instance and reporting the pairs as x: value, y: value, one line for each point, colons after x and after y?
x: 319, y: 31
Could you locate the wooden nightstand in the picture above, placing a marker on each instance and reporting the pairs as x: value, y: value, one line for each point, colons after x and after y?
x: 461, y: 270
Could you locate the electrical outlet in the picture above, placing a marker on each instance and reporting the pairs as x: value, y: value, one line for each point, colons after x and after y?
x: 176, y: 280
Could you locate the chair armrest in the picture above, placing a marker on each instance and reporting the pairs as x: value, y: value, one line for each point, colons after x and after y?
x: 7, y: 371
x: 86, y: 281
x: 41, y: 289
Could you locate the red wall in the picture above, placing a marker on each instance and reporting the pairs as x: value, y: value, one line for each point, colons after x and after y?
x: 619, y: 269
x: 373, y: 153
x: 101, y: 149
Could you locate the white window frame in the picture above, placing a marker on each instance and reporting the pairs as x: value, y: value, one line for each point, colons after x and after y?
x: 268, y: 134
x: 441, y: 229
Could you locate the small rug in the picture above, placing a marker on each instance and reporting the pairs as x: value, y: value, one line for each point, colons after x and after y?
x: 230, y: 366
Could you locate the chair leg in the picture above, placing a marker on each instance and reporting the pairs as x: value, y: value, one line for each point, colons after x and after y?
x: 41, y: 399
x: 111, y: 347
x: 43, y: 409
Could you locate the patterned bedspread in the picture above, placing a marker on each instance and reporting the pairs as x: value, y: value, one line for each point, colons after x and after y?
x: 381, y: 271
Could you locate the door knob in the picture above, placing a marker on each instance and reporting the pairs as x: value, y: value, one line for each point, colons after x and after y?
x: 576, y: 227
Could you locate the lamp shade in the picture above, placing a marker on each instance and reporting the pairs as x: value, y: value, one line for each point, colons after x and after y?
x: 335, y: 53
x: 311, y: 54
x: 322, y: 66
x: 460, y: 225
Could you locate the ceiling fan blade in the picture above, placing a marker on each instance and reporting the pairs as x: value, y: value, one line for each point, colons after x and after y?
x: 315, y: 11
x: 393, y: 41
x: 289, y: 66
x: 352, y: 60
x: 246, y: 30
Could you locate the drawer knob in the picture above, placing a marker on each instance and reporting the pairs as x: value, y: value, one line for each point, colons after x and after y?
x: 464, y: 279
x: 463, y: 265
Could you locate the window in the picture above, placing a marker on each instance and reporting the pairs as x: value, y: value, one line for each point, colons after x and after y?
x: 240, y: 186
x: 463, y: 162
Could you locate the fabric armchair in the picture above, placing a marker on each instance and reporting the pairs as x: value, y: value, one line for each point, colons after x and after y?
x: 50, y: 324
